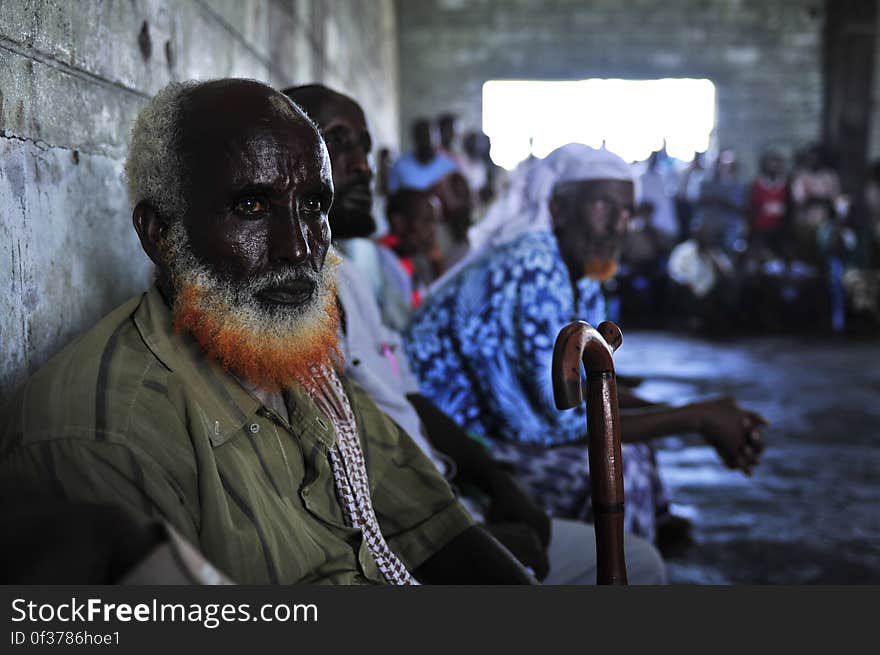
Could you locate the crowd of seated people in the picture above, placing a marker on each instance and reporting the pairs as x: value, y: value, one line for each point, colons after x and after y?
x: 420, y: 278
x: 786, y: 252
x: 372, y: 410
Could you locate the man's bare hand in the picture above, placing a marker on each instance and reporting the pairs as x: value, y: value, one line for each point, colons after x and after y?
x: 733, y: 431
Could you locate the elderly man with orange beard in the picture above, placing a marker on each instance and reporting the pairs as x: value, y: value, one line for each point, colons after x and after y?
x: 216, y: 400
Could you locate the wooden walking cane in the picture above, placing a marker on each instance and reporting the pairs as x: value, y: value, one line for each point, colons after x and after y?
x: 579, y: 342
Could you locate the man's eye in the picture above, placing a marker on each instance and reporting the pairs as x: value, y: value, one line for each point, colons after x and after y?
x: 250, y: 206
x: 312, y: 204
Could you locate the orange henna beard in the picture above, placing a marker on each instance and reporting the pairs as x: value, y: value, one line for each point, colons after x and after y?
x: 600, y: 269
x: 268, y: 359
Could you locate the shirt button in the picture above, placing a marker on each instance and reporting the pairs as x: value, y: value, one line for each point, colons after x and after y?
x: 321, y: 423
x: 254, y: 428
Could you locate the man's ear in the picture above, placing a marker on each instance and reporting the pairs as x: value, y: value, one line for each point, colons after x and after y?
x: 151, y: 228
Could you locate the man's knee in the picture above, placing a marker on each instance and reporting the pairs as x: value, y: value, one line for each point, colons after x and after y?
x: 572, y: 556
x: 644, y: 564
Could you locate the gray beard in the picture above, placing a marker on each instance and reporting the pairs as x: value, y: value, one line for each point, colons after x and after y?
x: 239, y: 297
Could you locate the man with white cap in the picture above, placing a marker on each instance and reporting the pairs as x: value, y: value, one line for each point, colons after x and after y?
x: 481, y: 344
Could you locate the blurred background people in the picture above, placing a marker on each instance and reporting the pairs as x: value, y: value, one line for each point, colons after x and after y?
x: 721, y: 206
x: 424, y: 166
x: 703, y: 282
x: 769, y: 205
x: 408, y: 253
x: 657, y: 185
x: 688, y: 194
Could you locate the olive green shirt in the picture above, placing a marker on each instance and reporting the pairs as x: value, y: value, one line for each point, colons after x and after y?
x: 133, y: 414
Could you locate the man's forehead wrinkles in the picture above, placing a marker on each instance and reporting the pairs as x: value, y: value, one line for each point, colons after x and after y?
x: 268, y: 161
x: 254, y: 162
x: 280, y: 175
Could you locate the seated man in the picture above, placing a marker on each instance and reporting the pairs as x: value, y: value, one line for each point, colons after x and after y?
x: 406, y: 252
x: 703, y: 276
x: 423, y: 167
x: 213, y: 400
x: 376, y: 361
x: 427, y: 236
x: 454, y: 195
x: 481, y: 344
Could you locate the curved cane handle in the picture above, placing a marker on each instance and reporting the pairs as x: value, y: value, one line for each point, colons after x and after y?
x: 579, y: 343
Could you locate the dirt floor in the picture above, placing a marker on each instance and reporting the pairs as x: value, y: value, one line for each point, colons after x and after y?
x: 811, y: 512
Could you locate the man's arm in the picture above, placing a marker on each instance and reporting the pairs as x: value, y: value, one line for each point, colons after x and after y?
x: 628, y: 399
x: 102, y: 473
x: 473, y: 557
x: 475, y: 465
x: 734, y: 432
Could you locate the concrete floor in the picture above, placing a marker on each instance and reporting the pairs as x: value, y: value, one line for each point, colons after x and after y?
x: 810, y: 513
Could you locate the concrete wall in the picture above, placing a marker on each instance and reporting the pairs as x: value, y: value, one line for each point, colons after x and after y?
x: 72, y: 78
x: 764, y: 57
x: 874, y: 142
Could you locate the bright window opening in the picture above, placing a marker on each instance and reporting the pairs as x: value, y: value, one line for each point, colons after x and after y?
x: 631, y: 117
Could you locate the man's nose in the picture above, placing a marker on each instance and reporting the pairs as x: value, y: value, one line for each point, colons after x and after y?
x: 360, y: 163
x: 288, y: 241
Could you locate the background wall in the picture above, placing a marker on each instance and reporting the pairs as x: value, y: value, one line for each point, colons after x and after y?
x: 73, y: 76
x: 764, y: 57
x: 874, y: 141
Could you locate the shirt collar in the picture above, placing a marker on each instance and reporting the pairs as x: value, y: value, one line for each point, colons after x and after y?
x: 226, y: 403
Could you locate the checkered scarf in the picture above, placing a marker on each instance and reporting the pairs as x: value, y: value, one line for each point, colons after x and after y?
x: 350, y: 475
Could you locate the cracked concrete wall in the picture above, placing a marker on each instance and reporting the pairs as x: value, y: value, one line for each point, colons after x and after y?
x: 73, y: 76
x: 764, y: 57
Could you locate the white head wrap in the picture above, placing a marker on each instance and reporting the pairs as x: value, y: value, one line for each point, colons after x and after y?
x: 525, y: 205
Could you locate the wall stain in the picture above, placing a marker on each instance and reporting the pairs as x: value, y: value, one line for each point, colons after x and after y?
x: 169, y: 55
x: 31, y: 299
x: 17, y: 184
x: 12, y: 277
x: 18, y: 119
x: 145, y: 43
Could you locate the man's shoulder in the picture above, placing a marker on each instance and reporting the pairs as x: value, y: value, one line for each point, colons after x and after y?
x: 92, y: 387
x: 530, y: 251
x: 543, y: 241
x: 445, y: 162
x: 404, y: 162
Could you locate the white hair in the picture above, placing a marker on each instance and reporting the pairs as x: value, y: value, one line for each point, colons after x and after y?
x: 154, y: 170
